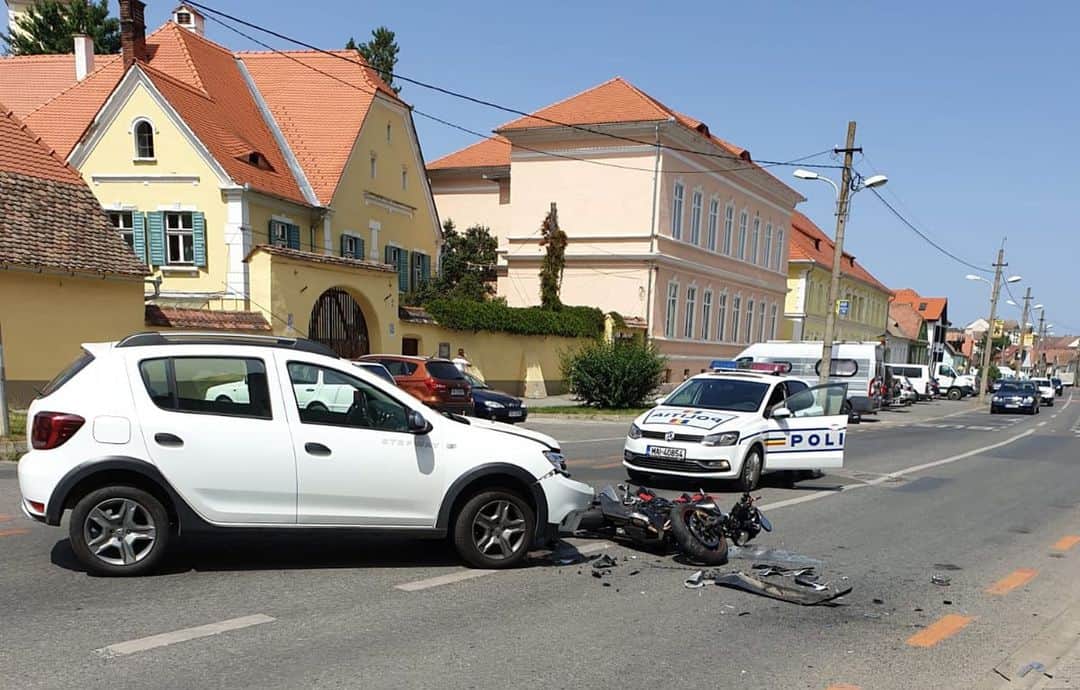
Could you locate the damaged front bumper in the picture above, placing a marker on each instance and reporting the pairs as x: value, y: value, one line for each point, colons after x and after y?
x: 567, y: 499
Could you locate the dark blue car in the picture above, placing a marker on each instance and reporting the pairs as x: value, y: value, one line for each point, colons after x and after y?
x: 489, y: 403
x: 1015, y: 396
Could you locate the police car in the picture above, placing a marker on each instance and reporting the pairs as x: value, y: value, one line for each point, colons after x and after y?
x: 736, y: 423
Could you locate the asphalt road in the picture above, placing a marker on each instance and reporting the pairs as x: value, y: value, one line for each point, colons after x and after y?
x: 988, y: 501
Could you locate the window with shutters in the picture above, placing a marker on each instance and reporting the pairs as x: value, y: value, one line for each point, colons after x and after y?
x: 144, y: 140
x: 352, y: 247
x: 179, y: 237
x: 123, y: 222
x: 399, y: 259
x: 279, y: 233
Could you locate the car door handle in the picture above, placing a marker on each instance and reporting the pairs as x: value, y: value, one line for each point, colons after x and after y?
x: 317, y: 449
x: 309, y: 390
x: 168, y: 440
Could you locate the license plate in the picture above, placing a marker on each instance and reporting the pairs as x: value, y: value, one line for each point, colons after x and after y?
x: 515, y: 413
x: 662, y: 452
x: 457, y: 392
x: 1012, y: 405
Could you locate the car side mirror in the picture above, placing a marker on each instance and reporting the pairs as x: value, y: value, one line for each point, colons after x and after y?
x: 781, y: 413
x: 416, y: 423
x: 659, y: 401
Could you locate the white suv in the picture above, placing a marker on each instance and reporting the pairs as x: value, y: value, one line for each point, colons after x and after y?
x: 129, y: 439
x: 736, y: 425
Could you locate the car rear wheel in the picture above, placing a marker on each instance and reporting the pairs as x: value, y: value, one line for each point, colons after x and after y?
x: 750, y: 476
x: 494, y: 529
x: 119, y: 531
x: 955, y: 394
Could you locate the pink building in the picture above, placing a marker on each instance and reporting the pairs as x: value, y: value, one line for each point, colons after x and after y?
x: 689, y: 237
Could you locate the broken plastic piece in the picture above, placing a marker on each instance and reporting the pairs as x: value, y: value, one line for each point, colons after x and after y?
x: 1032, y: 666
x: 603, y: 562
x: 794, y: 595
x: 695, y: 581
x: 941, y: 580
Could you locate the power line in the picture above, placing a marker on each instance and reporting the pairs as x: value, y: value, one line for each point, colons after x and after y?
x: 480, y: 101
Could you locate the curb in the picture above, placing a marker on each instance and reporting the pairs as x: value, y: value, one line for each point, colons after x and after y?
x: 1055, y: 646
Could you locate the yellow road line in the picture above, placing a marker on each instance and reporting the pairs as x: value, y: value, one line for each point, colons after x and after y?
x: 13, y: 532
x: 943, y: 629
x: 1015, y: 579
x: 1066, y: 543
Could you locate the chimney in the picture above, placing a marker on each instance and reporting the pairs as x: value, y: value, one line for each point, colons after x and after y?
x: 132, y: 32
x: 84, y: 56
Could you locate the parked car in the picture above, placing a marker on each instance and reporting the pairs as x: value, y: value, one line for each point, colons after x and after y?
x: 1019, y: 396
x: 954, y: 386
x: 1047, y: 393
x: 377, y: 369
x: 489, y: 403
x: 1059, y: 386
x: 438, y: 383
x: 907, y: 391
x: 128, y: 440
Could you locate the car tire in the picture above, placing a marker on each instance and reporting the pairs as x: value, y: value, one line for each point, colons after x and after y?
x: 750, y: 474
x: 494, y: 529
x: 223, y: 399
x: 119, y: 531
x: 993, y: 410
x: 317, y: 407
x: 955, y: 394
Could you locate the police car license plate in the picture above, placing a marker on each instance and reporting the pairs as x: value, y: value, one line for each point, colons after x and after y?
x: 662, y: 452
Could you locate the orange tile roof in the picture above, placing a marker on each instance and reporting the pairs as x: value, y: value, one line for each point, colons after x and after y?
x: 808, y: 242
x: 177, y: 317
x: 52, y: 74
x: 22, y: 151
x: 487, y: 153
x: 906, y: 320
x: 935, y: 306
x: 319, y: 102
x: 616, y: 100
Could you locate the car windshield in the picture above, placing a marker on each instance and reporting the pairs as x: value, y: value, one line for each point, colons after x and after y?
x: 475, y: 382
x: 719, y: 394
x: 1041, y: 382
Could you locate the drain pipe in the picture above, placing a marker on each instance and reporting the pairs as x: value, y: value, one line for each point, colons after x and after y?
x: 652, y: 238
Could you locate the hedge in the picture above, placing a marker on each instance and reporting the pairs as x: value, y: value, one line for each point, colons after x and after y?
x: 469, y: 315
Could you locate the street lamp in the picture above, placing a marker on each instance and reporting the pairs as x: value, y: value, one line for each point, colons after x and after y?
x: 849, y: 185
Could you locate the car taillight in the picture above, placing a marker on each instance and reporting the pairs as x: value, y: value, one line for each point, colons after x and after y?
x: 434, y: 386
x: 53, y: 429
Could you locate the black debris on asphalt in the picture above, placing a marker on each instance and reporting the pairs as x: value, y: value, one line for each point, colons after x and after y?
x: 604, y: 562
x: 810, y: 595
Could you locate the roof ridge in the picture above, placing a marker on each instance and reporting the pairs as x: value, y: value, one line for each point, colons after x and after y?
x: 562, y: 101
x: 173, y: 80
x: 182, y: 42
x: 652, y: 99
x: 97, y: 71
x: 42, y: 56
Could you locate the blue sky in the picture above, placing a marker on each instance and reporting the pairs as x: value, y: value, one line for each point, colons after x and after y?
x: 971, y: 108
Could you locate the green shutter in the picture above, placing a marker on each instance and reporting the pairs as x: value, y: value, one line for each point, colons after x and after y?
x: 198, y: 232
x: 390, y: 255
x: 138, y: 234
x: 360, y: 250
x: 294, y: 236
x: 403, y: 270
x: 344, y: 249
x: 155, y: 226
x: 425, y: 268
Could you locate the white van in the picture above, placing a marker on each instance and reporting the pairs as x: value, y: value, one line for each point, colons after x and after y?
x: 953, y: 384
x: 858, y: 364
x: 918, y: 374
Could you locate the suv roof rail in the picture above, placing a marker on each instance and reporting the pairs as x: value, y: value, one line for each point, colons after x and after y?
x: 195, y: 338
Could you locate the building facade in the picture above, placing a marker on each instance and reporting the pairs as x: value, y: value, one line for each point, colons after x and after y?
x: 934, y: 311
x: 689, y: 237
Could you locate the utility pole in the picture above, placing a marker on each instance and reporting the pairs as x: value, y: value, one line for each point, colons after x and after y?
x: 5, y: 424
x: 994, y: 293
x: 1023, y: 328
x: 849, y: 150
x: 1038, y: 343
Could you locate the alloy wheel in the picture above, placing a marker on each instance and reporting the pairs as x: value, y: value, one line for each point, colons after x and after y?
x: 120, y: 531
x: 499, y: 529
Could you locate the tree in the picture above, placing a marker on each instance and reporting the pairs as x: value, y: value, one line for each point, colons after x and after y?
x: 551, y: 270
x: 48, y: 25
x: 381, y: 53
x: 467, y: 266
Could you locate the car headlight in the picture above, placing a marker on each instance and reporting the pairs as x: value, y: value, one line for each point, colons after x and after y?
x: 997, y: 398
x: 727, y: 438
x: 635, y: 431
x: 523, y: 405
x: 1028, y: 400
x: 557, y: 460
x: 494, y: 405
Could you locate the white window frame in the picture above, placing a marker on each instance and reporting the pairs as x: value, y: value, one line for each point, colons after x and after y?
x: 772, y: 321
x: 744, y: 227
x: 404, y: 178
x: 127, y: 232
x: 180, y: 232
x: 755, y: 236
x: 748, y: 323
x: 766, y: 250
x: 736, y: 304
x: 706, y: 315
x: 779, y: 248
x: 721, y: 315
x: 696, y: 202
x: 135, y: 138
x: 714, y: 224
x: 279, y: 231
x: 677, y: 210
x: 729, y: 227
x: 671, y: 314
x: 374, y: 166
x: 354, y: 239
x: 691, y: 309
x: 761, y: 321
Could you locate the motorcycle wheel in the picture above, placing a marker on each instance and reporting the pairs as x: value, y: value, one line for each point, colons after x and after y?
x: 686, y: 528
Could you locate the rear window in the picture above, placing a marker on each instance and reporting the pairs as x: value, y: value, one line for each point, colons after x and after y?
x: 839, y: 367
x: 444, y: 370
x: 399, y: 367
x: 68, y: 373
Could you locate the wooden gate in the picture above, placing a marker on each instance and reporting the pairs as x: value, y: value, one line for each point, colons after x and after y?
x: 338, y: 321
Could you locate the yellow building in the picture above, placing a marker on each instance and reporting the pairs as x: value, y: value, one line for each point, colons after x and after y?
x: 267, y: 191
x: 65, y: 277
x: 862, y: 303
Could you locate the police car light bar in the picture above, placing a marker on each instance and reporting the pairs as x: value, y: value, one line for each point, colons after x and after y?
x: 723, y: 364
x: 771, y: 367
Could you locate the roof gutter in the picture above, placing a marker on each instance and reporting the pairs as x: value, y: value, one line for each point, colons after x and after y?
x: 63, y: 272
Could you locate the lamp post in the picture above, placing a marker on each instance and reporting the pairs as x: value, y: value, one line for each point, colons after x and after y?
x: 995, y: 291
x: 847, y: 186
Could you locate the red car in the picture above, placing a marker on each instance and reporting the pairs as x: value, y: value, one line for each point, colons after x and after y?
x: 436, y: 382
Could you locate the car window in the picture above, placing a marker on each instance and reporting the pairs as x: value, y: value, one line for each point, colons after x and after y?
x: 229, y: 386
x: 306, y: 375
x: 776, y: 397
x: 819, y: 401
x: 347, y: 401
x: 69, y: 372
x: 794, y: 387
x: 445, y: 371
x: 376, y: 369
x: 399, y: 367
x: 719, y: 394
x: 839, y: 367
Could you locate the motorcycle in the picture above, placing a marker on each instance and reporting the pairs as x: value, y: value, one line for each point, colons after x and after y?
x: 693, y: 524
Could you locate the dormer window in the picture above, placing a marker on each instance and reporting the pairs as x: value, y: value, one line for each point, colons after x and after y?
x: 922, y: 306
x: 258, y: 160
x: 144, y: 140
x: 183, y: 18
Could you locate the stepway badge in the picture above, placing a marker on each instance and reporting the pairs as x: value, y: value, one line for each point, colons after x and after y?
x: 697, y: 419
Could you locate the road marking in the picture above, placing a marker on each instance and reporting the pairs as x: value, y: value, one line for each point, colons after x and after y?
x: 1066, y: 543
x: 595, y: 440
x: 1041, y: 424
x: 943, y: 629
x: 13, y: 532
x: 1017, y: 578
x: 144, y: 643
x: 893, y: 475
x: 6, y: 518
x: 843, y: 686
x: 462, y: 575
x: 607, y: 466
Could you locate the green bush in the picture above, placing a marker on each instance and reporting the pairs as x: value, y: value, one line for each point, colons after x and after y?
x: 614, y: 375
x: 470, y: 315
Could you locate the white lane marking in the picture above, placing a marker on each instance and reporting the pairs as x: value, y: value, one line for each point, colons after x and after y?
x: 144, y: 643
x: 451, y: 578
x: 595, y: 440
x: 893, y: 475
x: 1041, y: 424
